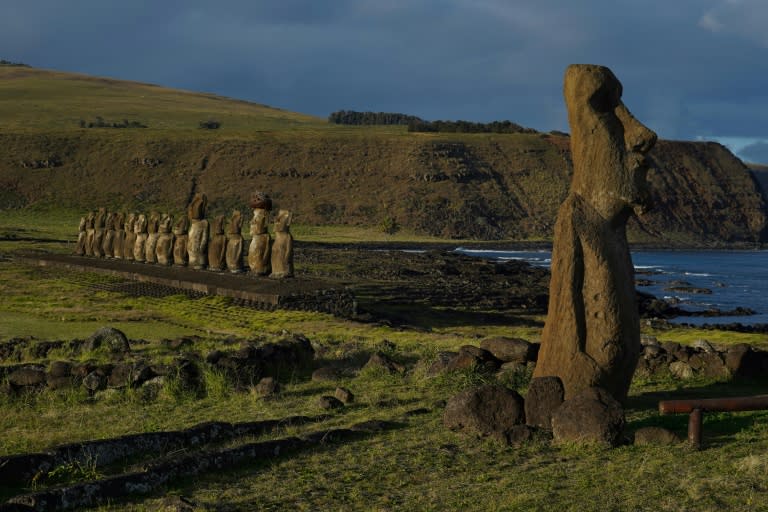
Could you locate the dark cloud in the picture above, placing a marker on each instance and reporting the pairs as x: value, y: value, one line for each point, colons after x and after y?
x: 690, y: 67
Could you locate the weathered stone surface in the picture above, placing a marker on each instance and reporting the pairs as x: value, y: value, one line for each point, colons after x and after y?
x: 217, y: 246
x: 681, y: 370
x: 100, y: 221
x: 114, y: 340
x: 165, y: 240
x: 484, y: 410
x: 743, y: 362
x: 510, y: 349
x: 709, y: 364
x: 592, y: 416
x: 655, y: 436
x: 282, y: 247
x: 29, y: 376
x: 94, y: 381
x: 326, y: 374
x: 518, y: 435
x: 384, y: 362
x: 344, y: 395
x: 119, y: 240
x: 81, y: 238
x: 150, y: 246
x: 60, y: 369
x: 108, y: 244
x: 259, y: 250
x: 268, y: 386
x: 704, y: 345
x: 130, y: 237
x: 329, y: 402
x: 90, y: 233
x: 545, y: 395
x: 261, y: 201
x: 470, y: 356
x: 441, y: 363
x: 180, y: 234
x: 234, y: 252
x: 140, y: 238
x: 592, y: 333
x: 197, y: 241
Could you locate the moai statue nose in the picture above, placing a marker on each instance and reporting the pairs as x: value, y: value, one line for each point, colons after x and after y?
x: 637, y: 137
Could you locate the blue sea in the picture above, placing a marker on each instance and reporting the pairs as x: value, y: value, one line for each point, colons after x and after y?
x: 736, y: 279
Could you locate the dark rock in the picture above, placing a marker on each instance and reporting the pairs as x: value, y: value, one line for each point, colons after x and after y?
x: 28, y: 376
x: 671, y: 347
x: 326, y: 374
x: 545, y: 395
x: 709, y: 364
x: 470, y: 357
x: 60, y: 369
x: 178, y: 504
x: 681, y: 370
x: 509, y: 349
x: 59, y: 382
x: 267, y: 387
x: 592, y: 416
x: 214, y: 357
x: 484, y: 410
x: 651, y: 351
x: 94, y: 381
x: 384, y: 362
x: 743, y: 362
x: 683, y: 354
x: 441, y: 363
x: 80, y: 370
x: 112, y: 339
x: 120, y: 376
x: 655, y: 436
x: 178, y: 343
x: 344, y: 395
x: 704, y: 345
x: 329, y: 402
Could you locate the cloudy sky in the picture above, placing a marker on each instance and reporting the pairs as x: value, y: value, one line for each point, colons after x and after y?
x: 692, y: 69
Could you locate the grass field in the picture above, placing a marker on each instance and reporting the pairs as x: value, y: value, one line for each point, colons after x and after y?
x: 417, y: 465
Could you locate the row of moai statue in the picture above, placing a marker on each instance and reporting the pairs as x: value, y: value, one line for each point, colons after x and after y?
x: 192, y: 240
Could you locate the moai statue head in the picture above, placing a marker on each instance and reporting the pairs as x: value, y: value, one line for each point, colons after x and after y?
x: 140, y: 226
x: 182, y: 226
x: 129, y: 222
x: 217, y: 225
x: 235, y: 224
x: 283, y: 221
x: 109, y: 223
x: 259, y: 221
x: 119, y: 220
x: 261, y: 201
x: 198, y: 206
x: 90, y: 220
x: 166, y: 221
x: 153, y: 222
x: 101, y: 218
x: 608, y: 144
x: 83, y: 223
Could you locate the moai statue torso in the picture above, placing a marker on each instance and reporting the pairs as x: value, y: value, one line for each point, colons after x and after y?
x: 107, y: 246
x: 90, y: 233
x: 180, y: 256
x: 130, y: 237
x: 259, y: 249
x: 197, y: 242
x: 282, y: 247
x: 217, y: 246
x: 140, y: 245
x: 82, y: 236
x: 164, y: 248
x: 117, y: 244
x: 150, y: 249
x: 592, y: 333
x: 99, y: 223
x: 235, y: 243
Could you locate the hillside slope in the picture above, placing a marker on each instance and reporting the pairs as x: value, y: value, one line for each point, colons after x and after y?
x: 450, y: 185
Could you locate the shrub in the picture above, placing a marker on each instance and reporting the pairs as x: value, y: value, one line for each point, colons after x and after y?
x: 210, y: 124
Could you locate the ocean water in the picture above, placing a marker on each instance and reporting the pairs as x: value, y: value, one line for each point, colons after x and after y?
x: 735, y: 278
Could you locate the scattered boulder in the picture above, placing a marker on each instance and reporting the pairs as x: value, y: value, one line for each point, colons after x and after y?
x: 519, y: 435
x: 545, y: 395
x: 344, y: 395
x: 384, y: 362
x: 743, y: 362
x: 329, y: 402
x: 484, y: 410
x: 471, y: 357
x: 113, y: 339
x: 267, y: 387
x: 60, y: 369
x: 709, y: 364
x: 441, y: 363
x: 510, y: 349
x: 592, y: 416
x: 326, y: 374
x: 681, y: 370
x: 28, y: 376
x: 655, y: 436
x: 704, y: 345
x: 94, y: 381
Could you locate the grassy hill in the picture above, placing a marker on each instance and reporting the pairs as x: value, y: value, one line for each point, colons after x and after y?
x: 473, y: 186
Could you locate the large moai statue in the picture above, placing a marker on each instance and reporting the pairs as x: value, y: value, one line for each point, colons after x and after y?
x: 180, y: 237
x: 164, y: 249
x: 82, y: 236
x: 259, y: 259
x: 282, y: 248
x: 197, y: 242
x: 90, y: 232
x: 592, y: 332
x: 117, y: 244
x: 150, y: 249
x: 140, y: 245
x: 107, y: 246
x: 130, y: 237
x: 99, y: 223
x: 217, y: 246
x: 235, y: 242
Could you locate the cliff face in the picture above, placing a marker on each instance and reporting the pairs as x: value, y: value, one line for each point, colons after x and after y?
x: 449, y: 185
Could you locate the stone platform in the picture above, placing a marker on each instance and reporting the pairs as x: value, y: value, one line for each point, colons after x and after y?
x: 297, y: 293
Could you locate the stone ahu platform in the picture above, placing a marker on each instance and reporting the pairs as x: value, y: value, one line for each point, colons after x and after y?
x: 296, y: 293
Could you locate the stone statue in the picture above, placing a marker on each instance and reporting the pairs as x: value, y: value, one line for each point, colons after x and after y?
x: 130, y: 237
x: 235, y: 242
x: 164, y: 249
x: 217, y: 246
x: 592, y: 333
x: 117, y: 244
x: 140, y: 245
x: 82, y: 236
x: 99, y: 224
x: 259, y: 249
x: 150, y: 248
x: 282, y: 248
x: 197, y: 243
x: 107, y: 246
x: 180, y: 256
x: 90, y: 233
